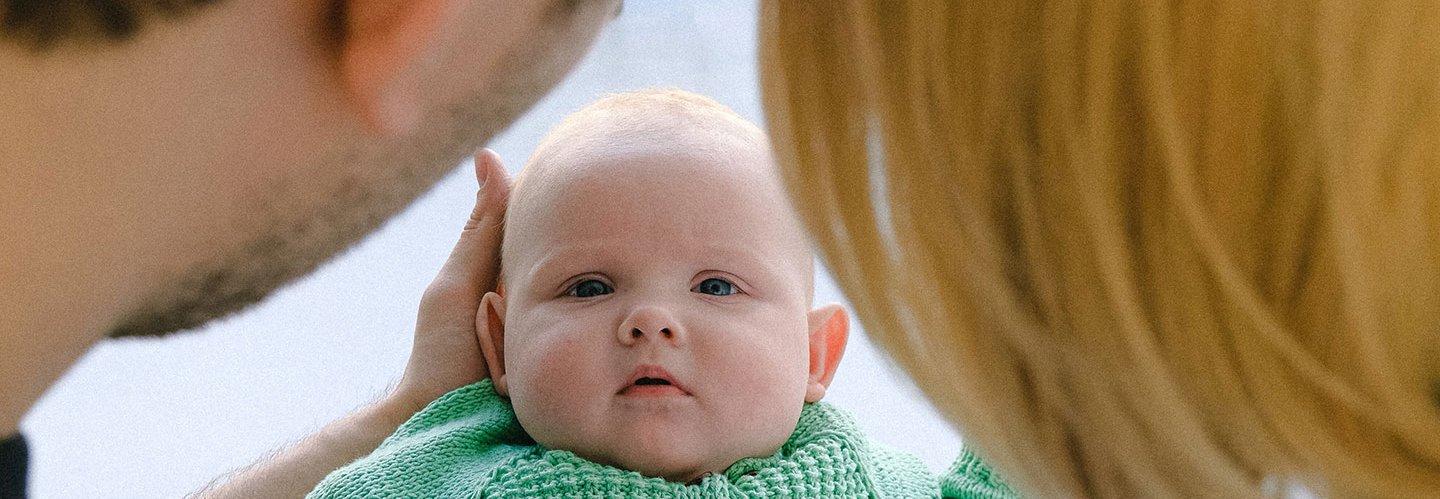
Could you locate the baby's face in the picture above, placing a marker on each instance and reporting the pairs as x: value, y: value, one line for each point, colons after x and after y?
x: 656, y: 315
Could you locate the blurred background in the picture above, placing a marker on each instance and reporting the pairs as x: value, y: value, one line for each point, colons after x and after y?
x: 146, y: 418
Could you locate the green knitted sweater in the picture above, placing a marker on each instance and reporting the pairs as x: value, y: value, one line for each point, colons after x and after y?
x: 468, y: 443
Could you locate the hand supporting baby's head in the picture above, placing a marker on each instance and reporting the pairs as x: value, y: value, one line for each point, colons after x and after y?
x: 657, y: 309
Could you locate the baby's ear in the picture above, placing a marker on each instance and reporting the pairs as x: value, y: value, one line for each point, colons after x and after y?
x: 490, y: 328
x: 829, y: 330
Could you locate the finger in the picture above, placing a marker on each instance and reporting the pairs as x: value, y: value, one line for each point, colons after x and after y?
x: 472, y: 264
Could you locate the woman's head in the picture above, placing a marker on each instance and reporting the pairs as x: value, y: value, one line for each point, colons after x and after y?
x: 1136, y: 248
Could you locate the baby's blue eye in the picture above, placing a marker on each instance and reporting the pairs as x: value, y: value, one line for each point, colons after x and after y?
x: 588, y: 288
x: 715, y: 286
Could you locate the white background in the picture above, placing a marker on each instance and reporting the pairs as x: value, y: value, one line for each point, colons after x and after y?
x: 160, y: 418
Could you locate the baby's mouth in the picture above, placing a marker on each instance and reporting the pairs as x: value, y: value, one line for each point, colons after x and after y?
x: 652, y: 381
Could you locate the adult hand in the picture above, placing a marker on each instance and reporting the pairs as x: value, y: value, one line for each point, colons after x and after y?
x: 446, y: 354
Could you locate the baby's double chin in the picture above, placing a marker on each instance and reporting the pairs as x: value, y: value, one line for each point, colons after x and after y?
x: 678, y: 467
x: 678, y: 474
x: 690, y: 476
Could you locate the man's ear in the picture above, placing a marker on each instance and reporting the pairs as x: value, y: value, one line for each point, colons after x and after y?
x: 490, y: 327
x: 829, y: 330
x: 386, y: 51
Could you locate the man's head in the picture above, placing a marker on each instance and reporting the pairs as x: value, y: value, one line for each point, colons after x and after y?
x: 194, y: 163
x: 656, y: 314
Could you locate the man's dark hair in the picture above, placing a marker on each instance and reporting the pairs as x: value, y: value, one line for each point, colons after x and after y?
x: 43, y: 24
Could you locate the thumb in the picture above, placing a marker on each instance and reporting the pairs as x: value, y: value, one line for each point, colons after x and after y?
x: 494, y: 190
x: 472, y: 263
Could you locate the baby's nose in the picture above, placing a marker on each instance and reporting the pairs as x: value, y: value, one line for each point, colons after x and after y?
x: 649, y: 322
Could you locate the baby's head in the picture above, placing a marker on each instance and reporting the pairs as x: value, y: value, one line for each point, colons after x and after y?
x: 656, y: 314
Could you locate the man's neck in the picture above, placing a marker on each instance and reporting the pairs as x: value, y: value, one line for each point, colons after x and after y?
x: 95, y: 144
x: 62, y: 260
x: 33, y: 355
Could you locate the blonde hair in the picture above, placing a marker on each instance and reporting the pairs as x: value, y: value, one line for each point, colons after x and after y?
x: 646, y: 113
x: 1133, y: 248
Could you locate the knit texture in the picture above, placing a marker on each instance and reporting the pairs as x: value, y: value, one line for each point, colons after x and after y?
x: 468, y: 443
x: 970, y: 478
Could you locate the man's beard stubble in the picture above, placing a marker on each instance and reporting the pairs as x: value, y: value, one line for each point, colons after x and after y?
x: 295, y: 244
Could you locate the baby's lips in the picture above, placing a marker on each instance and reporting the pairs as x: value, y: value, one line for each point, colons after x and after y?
x: 650, y: 375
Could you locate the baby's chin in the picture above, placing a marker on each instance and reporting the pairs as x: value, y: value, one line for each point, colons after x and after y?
x: 675, y: 452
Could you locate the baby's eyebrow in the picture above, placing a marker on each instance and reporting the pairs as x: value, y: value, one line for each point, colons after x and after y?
x: 747, y: 257
x: 742, y: 261
x: 547, y: 261
x: 563, y: 253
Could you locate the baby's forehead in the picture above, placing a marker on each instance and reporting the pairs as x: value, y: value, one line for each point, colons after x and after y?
x: 652, y: 141
x: 718, y: 160
x: 731, y: 178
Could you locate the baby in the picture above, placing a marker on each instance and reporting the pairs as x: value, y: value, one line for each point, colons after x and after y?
x: 656, y: 318
x: 658, y: 292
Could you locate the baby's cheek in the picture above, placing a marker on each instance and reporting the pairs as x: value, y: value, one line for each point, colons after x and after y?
x: 766, y: 414
x: 770, y: 384
x: 552, y: 382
